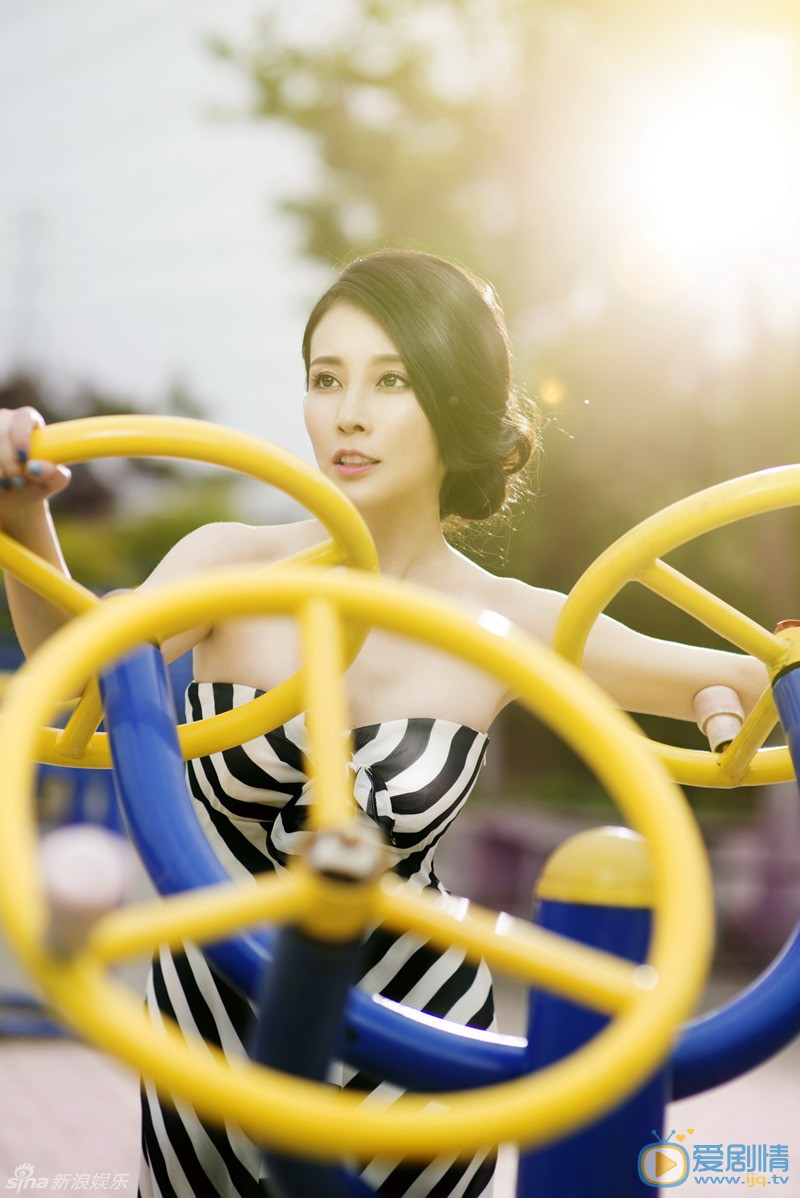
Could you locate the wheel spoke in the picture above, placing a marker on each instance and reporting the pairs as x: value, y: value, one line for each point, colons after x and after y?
x: 326, y: 715
x: 326, y: 554
x: 717, y: 615
x: 520, y: 949
x: 74, y: 599
x: 735, y: 760
x: 82, y: 724
x: 203, y: 915
x: 45, y: 579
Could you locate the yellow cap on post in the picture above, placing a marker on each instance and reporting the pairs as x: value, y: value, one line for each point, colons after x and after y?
x: 602, y: 867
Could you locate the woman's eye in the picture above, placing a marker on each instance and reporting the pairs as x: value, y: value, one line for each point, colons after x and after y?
x: 393, y: 381
x: 324, y: 380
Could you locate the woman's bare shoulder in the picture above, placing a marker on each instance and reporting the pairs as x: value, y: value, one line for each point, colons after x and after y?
x: 263, y: 544
x: 228, y: 543
x: 533, y: 609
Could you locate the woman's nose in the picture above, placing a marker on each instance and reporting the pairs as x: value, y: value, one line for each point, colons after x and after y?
x: 353, y: 413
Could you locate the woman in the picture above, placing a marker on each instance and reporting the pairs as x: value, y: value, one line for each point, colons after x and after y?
x: 411, y: 411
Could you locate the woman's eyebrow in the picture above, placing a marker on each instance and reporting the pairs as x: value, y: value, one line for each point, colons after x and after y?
x: 334, y: 360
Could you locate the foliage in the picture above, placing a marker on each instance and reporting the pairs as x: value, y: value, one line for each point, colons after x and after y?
x: 476, y: 129
x: 91, y: 494
x: 122, y: 549
x: 479, y: 129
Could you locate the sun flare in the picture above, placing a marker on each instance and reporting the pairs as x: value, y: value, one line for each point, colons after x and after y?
x: 712, y: 157
x: 716, y: 175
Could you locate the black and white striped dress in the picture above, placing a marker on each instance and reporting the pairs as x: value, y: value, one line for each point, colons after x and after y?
x: 412, y: 777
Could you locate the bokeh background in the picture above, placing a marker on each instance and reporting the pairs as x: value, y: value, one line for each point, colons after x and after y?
x: 178, y: 181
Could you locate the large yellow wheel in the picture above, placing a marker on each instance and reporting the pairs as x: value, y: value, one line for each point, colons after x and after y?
x: 645, y: 1002
x: 636, y: 557
x: 78, y: 744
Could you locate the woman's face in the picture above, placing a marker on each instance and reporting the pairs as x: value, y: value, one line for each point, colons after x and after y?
x: 368, y: 432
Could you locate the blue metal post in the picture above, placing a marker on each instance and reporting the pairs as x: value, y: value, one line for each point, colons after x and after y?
x: 609, y: 909
x: 299, y: 1020
x: 786, y: 693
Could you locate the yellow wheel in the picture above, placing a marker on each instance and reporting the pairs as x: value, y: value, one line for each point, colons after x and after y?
x: 645, y: 1003
x: 636, y: 557
x: 196, y: 440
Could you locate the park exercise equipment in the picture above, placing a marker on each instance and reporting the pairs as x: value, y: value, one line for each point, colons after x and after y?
x: 78, y: 744
x: 766, y: 1016
x: 713, y: 1048
x: 636, y: 557
x: 469, y: 1059
x: 644, y: 1002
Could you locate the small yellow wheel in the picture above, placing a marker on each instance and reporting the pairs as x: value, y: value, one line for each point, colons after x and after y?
x: 645, y: 1003
x: 636, y: 557
x: 196, y: 440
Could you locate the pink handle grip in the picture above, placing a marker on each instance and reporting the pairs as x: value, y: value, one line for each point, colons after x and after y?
x: 719, y: 714
x: 86, y: 871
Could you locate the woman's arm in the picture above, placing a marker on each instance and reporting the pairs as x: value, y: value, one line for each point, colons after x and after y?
x: 654, y: 677
x: 25, y: 489
x: 640, y: 673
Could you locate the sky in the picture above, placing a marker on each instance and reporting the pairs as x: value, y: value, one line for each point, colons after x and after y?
x: 140, y: 243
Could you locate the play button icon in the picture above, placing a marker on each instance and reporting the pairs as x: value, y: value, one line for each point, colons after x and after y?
x: 663, y: 1164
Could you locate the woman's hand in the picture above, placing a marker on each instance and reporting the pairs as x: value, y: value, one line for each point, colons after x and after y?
x: 24, y: 483
x: 25, y: 487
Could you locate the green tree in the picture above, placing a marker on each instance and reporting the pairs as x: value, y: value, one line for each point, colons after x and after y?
x: 480, y: 129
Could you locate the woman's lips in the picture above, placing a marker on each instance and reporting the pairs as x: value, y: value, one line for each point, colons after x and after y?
x: 350, y: 465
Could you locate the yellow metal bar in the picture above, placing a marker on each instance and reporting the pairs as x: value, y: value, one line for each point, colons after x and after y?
x: 517, y: 948
x: 277, y: 1109
x: 200, y: 739
x: 198, y: 440
x: 74, y: 599
x: 46, y: 580
x: 721, y: 617
x: 693, y: 767
x: 245, y: 723
x: 341, y: 910
x: 266, y: 1106
x: 735, y: 760
x: 327, y: 554
x: 71, y: 742
x: 96, y: 757
x: 327, y: 720
x: 177, y: 437
x: 203, y: 915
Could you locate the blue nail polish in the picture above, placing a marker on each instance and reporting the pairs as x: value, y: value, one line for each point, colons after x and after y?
x: 5, y: 484
x: 18, y: 482
x: 34, y: 469
x: 22, y: 456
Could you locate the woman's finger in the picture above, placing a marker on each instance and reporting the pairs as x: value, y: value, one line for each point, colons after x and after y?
x: 16, y: 428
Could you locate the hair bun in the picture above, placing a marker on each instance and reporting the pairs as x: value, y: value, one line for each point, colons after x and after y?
x: 520, y: 449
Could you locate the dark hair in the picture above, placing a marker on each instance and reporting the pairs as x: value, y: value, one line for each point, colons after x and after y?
x: 449, y: 329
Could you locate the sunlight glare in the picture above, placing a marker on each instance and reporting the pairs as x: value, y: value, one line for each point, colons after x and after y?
x: 716, y: 175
